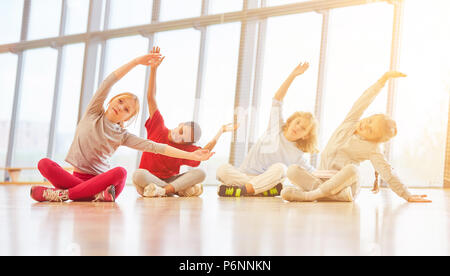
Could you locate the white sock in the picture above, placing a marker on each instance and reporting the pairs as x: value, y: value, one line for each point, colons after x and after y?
x: 159, y: 191
x: 314, y: 194
x: 153, y: 190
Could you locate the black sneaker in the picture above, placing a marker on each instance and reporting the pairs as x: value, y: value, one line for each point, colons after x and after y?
x: 275, y: 191
x: 231, y: 191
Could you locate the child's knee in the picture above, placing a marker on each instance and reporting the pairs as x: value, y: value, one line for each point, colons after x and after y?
x: 279, y: 169
x: 120, y: 172
x: 351, y: 170
x: 222, y: 170
x: 199, y: 175
x: 139, y: 177
x: 44, y: 163
x: 293, y: 171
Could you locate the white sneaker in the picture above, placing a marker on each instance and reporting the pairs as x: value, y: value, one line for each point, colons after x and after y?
x: 195, y: 190
x: 153, y: 190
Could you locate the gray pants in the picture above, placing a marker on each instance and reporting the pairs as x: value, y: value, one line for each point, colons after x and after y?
x: 180, y: 182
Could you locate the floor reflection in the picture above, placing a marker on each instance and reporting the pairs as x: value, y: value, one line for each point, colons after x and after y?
x: 381, y: 224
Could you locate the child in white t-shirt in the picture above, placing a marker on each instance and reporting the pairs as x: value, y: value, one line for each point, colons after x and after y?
x: 353, y: 142
x: 281, y: 145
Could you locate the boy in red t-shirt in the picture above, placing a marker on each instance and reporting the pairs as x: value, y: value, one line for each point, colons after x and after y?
x: 159, y: 175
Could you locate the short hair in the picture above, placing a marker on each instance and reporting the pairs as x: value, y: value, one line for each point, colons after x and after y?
x: 389, y: 128
x: 196, y: 131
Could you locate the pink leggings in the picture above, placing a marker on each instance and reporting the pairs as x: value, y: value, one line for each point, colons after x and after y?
x: 82, y: 187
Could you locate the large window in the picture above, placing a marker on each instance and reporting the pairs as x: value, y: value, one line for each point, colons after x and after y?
x: 44, y: 19
x: 290, y: 40
x: 358, y: 55
x: 283, y: 2
x: 179, y: 9
x: 422, y: 97
x: 33, y: 120
x: 129, y: 13
x: 219, y: 6
x: 7, y: 81
x: 77, y: 15
x: 69, y: 96
x: 359, y: 52
x: 10, y: 21
x: 217, y: 102
x: 177, y: 75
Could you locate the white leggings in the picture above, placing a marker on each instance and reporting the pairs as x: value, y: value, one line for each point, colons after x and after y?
x: 347, y: 176
x: 275, y: 174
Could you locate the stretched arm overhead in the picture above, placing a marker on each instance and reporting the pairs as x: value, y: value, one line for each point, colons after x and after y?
x: 281, y: 92
x: 276, y: 116
x: 151, y: 93
x: 223, y: 129
x: 97, y: 101
x: 369, y: 96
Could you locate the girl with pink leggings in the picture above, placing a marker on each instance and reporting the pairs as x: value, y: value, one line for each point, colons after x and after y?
x: 82, y: 186
x: 98, y: 135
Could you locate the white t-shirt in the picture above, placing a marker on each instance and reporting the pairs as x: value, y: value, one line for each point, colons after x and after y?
x: 273, y: 147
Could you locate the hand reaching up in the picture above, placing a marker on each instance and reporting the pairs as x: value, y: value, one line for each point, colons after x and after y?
x: 156, y: 57
x: 300, y: 69
x: 393, y: 74
x: 230, y: 127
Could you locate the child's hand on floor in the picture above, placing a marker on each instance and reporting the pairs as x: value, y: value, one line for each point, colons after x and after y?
x: 418, y: 198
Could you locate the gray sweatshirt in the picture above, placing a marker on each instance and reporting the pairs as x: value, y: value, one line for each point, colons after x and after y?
x: 96, y: 138
x: 345, y: 147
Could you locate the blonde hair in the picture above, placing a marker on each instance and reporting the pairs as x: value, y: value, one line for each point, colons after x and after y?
x: 309, y: 142
x: 389, y: 128
x: 128, y: 95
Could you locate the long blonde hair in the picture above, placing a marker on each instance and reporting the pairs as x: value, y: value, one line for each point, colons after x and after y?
x: 128, y: 95
x: 309, y: 142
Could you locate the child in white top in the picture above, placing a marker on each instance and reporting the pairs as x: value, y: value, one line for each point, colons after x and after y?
x: 353, y: 142
x: 282, y: 144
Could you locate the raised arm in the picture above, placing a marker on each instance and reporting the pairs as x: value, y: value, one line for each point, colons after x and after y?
x: 151, y: 92
x: 222, y: 130
x: 369, y: 96
x: 281, y: 92
x: 97, y: 101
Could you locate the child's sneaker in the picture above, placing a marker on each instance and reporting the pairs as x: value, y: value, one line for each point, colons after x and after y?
x: 41, y: 194
x: 153, y: 190
x: 231, y: 191
x: 195, y: 190
x: 108, y: 195
x: 275, y: 191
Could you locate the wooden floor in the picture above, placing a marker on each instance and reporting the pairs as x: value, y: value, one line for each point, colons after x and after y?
x: 381, y: 224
